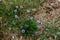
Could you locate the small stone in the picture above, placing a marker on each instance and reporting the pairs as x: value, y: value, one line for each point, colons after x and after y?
x: 55, y: 5
x: 52, y: 4
x: 34, y: 9
x: 58, y: 0
x: 13, y: 37
x: 11, y: 3
x: 9, y: 28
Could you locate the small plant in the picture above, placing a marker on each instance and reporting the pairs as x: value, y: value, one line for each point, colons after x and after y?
x: 28, y: 28
x: 51, y: 31
x: 12, y: 13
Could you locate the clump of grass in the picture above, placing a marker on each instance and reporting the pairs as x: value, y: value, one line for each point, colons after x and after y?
x: 51, y: 32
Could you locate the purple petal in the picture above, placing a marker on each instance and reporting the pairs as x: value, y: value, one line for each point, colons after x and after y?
x: 16, y: 16
x: 28, y: 11
x: 23, y: 31
x: 0, y: 0
x: 21, y: 6
x: 15, y: 10
x: 36, y: 33
x: 39, y: 21
x: 31, y: 18
x: 17, y: 7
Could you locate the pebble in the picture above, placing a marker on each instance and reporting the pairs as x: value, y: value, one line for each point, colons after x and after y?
x: 58, y: 0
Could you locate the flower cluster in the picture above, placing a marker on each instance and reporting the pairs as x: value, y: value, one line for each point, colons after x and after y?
x: 29, y: 28
x: 13, y: 13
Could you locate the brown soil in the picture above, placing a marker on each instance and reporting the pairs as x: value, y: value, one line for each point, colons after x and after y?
x: 49, y: 12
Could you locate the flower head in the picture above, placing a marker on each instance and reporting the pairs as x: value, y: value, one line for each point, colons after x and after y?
x: 0, y: 0
x: 31, y: 18
x: 21, y: 6
x: 15, y: 10
x: 38, y: 21
x: 16, y: 16
x: 17, y: 7
x: 36, y: 33
x: 28, y: 11
x: 23, y: 31
x: 34, y: 10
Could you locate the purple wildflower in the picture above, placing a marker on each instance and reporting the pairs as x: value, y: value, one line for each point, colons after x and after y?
x: 39, y: 21
x: 17, y: 7
x: 0, y: 0
x: 15, y: 10
x: 21, y: 6
x: 36, y: 33
x: 31, y: 18
x: 23, y: 31
x: 16, y: 16
x: 28, y: 11
x: 39, y: 27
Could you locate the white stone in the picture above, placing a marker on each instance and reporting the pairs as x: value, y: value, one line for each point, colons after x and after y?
x: 52, y: 4
x: 13, y: 37
x: 58, y: 0
x: 21, y: 6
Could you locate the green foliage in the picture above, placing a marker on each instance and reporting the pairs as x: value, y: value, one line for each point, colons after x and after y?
x: 30, y: 27
x: 12, y: 13
x: 50, y: 31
